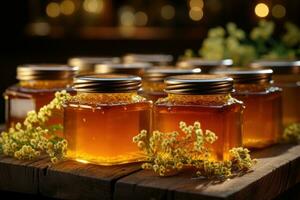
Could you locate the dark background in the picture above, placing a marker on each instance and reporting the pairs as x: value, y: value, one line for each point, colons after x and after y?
x: 83, y: 33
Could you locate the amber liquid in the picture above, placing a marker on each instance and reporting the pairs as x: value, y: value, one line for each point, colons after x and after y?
x: 224, y: 120
x: 102, y: 134
x: 262, y: 118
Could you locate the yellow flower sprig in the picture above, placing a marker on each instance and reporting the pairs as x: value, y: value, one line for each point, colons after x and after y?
x: 168, y: 153
x: 33, y: 137
x: 291, y: 133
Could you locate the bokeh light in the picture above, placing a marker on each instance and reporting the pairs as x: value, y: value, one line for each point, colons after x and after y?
x: 53, y: 9
x: 278, y: 11
x: 141, y: 18
x: 261, y: 10
x: 167, y: 12
x: 93, y: 6
x: 67, y: 7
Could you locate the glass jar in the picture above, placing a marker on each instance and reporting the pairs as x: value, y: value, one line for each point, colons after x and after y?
x: 104, y: 116
x: 155, y: 59
x: 263, y: 113
x: 286, y: 76
x: 36, y: 88
x: 136, y: 69
x: 207, y: 66
x: 87, y: 64
x: 153, y: 80
x: 203, y: 98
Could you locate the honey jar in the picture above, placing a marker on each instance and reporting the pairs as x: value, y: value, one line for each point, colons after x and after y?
x: 36, y: 88
x: 203, y: 98
x: 286, y: 76
x: 153, y: 80
x: 263, y: 113
x: 101, y: 120
x: 207, y: 66
x: 87, y: 64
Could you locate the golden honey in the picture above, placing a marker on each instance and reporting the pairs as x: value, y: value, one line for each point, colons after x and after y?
x: 153, y: 80
x: 37, y: 86
x: 263, y: 113
x: 203, y: 98
x: 104, y: 116
x: 286, y: 76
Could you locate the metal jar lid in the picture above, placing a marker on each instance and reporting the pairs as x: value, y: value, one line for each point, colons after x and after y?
x: 278, y: 67
x: 137, y: 69
x: 199, y: 84
x: 29, y: 72
x: 158, y: 74
x: 247, y: 75
x: 205, y: 65
x: 156, y: 59
x: 88, y: 63
x: 107, y: 83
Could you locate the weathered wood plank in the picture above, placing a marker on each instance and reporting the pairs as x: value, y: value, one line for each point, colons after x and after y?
x: 20, y: 176
x: 73, y: 180
x: 278, y: 169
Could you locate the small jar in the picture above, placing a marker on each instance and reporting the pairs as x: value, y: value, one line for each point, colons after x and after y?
x: 136, y: 69
x: 104, y: 116
x: 155, y: 59
x: 207, y: 66
x: 203, y: 98
x: 286, y: 76
x: 263, y: 115
x: 153, y: 80
x: 36, y: 88
x: 87, y: 64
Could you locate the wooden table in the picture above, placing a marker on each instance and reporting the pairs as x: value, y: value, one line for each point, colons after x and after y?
x: 277, y: 170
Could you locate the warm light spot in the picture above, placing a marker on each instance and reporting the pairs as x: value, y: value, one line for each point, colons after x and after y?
x: 141, y: 18
x: 196, y: 3
x: 167, y: 12
x: 261, y: 10
x: 93, y: 6
x: 52, y: 10
x: 127, y: 18
x: 278, y: 11
x: 196, y: 14
x: 67, y: 7
x: 82, y: 161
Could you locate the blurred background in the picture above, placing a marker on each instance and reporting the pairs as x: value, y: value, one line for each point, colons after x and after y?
x: 39, y: 31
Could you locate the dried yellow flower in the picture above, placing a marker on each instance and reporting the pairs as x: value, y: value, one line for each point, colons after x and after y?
x: 33, y: 138
x: 292, y: 133
x: 168, y: 153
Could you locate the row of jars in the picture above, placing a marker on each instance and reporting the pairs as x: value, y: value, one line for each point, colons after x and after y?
x: 242, y: 106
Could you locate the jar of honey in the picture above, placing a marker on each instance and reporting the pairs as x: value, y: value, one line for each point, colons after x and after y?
x: 153, y: 80
x: 286, y: 76
x: 263, y: 115
x: 36, y: 88
x: 155, y: 59
x: 87, y: 64
x: 137, y: 69
x: 203, y: 98
x: 104, y: 116
x: 207, y: 66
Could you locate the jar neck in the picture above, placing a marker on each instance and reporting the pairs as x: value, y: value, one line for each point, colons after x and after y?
x: 153, y: 86
x: 46, y: 84
x: 252, y: 87
x: 216, y: 99
x: 106, y: 98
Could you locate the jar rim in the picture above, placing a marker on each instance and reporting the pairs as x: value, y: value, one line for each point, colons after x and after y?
x: 160, y: 73
x: 151, y: 58
x: 122, y: 68
x: 279, y: 66
x: 247, y: 75
x: 45, y: 71
x: 199, y: 84
x: 107, y: 83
